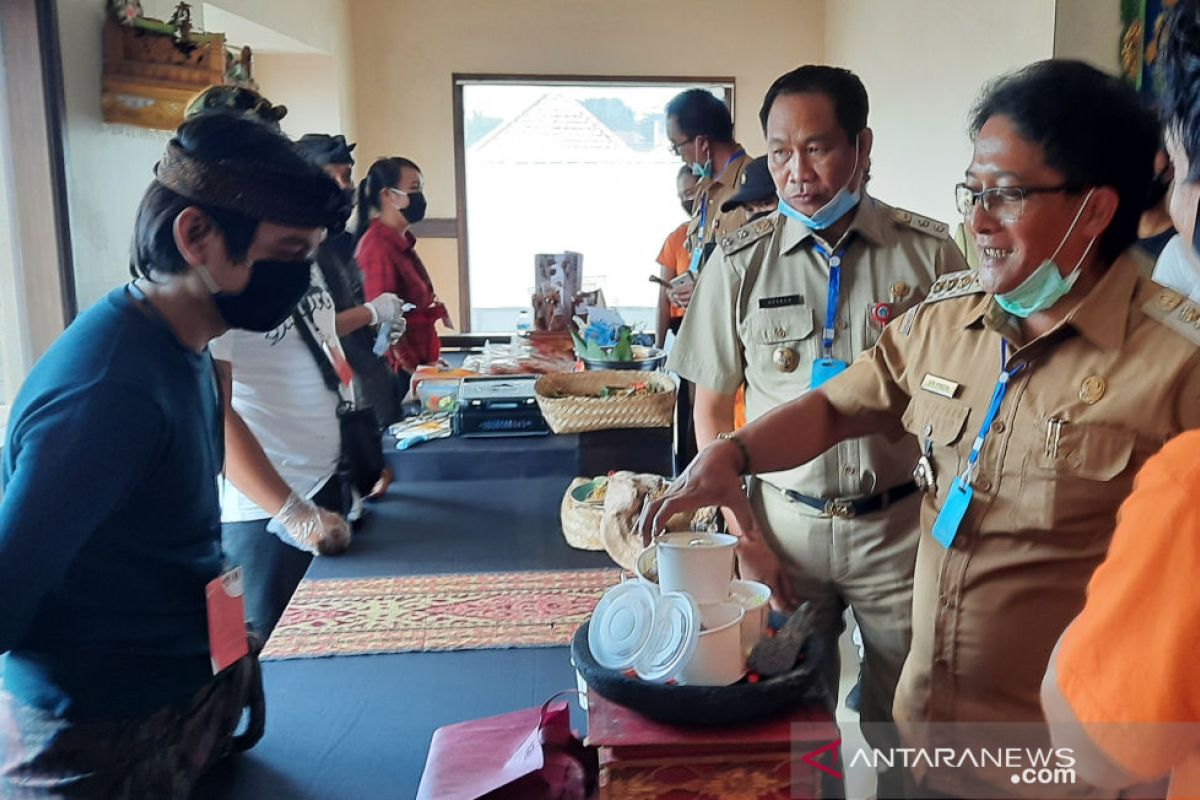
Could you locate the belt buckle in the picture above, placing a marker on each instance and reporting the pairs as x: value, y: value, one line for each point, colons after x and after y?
x: 842, y: 509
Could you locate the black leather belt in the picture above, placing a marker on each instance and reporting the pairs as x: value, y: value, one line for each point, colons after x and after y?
x: 846, y: 508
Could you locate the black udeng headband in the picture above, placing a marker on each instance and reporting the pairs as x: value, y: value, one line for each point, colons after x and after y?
x: 253, y: 188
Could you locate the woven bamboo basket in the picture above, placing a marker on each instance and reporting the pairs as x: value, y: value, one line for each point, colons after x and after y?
x: 581, y: 521
x: 570, y: 401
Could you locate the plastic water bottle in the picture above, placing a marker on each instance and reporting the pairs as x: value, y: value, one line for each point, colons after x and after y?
x: 523, y: 322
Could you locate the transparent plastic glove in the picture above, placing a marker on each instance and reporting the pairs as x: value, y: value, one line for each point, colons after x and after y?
x: 397, y: 331
x: 315, y: 530
x: 386, y: 308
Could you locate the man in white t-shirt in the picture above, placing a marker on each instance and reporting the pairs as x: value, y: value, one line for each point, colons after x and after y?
x: 1178, y: 268
x: 282, y: 444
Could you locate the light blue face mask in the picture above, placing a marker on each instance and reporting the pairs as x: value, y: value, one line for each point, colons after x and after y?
x: 702, y: 171
x: 838, y: 206
x: 1046, y: 285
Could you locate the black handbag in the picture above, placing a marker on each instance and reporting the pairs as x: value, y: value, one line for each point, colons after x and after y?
x: 361, y: 461
x: 362, y: 446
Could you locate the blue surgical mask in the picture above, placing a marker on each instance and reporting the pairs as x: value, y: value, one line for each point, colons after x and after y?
x: 838, y: 206
x: 1046, y: 285
x: 704, y: 170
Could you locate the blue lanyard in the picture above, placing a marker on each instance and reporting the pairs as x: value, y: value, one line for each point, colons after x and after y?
x: 698, y: 248
x: 998, y: 393
x: 831, y: 300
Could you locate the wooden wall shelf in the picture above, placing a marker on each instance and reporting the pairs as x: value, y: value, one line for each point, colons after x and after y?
x: 148, y: 79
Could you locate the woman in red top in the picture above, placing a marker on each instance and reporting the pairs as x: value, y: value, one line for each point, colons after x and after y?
x: 390, y: 199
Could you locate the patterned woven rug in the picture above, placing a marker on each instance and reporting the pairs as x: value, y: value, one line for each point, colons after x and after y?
x: 472, y: 611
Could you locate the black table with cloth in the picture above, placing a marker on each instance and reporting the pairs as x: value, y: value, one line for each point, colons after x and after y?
x: 360, y: 726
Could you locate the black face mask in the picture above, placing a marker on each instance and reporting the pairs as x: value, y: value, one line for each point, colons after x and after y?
x: 348, y: 201
x: 415, y: 212
x: 270, y: 296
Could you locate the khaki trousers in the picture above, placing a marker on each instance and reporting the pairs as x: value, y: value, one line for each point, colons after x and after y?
x: 865, y: 563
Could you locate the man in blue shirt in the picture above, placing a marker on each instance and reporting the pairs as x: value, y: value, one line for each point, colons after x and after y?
x: 110, y: 521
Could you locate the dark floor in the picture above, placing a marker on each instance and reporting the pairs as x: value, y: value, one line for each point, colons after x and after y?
x: 359, y: 727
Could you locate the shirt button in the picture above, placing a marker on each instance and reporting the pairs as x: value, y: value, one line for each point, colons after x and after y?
x: 843, y: 324
x: 983, y: 484
x: 941, y: 662
x: 849, y: 470
x: 780, y: 333
x: 998, y: 426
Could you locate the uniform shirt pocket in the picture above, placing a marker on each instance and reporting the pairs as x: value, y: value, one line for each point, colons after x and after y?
x: 770, y: 333
x: 1073, y: 480
x: 943, y: 420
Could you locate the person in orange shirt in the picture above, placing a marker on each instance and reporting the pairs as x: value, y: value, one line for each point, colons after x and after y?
x: 674, y: 259
x: 1121, y: 688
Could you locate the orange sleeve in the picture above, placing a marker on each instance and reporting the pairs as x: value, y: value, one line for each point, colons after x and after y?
x: 670, y: 254
x: 1127, y: 664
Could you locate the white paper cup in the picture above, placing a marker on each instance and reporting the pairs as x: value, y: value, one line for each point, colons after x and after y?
x: 718, y: 660
x: 755, y: 598
x: 699, y: 564
x: 646, y: 566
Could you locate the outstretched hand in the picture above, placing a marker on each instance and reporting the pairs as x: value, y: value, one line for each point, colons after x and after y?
x: 712, y: 479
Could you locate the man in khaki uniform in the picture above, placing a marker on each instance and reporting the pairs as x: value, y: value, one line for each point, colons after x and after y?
x: 844, y: 526
x: 700, y: 130
x: 1040, y: 384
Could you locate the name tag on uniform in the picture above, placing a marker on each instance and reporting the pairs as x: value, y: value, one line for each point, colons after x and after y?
x: 781, y: 302
x: 939, y: 386
x: 825, y: 368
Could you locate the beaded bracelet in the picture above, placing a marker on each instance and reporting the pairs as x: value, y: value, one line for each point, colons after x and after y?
x: 731, y: 437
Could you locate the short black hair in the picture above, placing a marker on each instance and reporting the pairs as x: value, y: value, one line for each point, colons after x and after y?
x: 698, y: 112
x: 1179, y: 62
x: 210, y: 136
x: 842, y: 86
x: 1091, y: 127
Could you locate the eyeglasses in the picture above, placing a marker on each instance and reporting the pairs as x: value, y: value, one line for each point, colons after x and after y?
x: 1005, y: 204
x: 677, y: 146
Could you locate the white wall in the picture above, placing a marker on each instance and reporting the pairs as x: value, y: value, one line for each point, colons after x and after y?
x: 109, y: 166
x: 923, y: 64
x: 1089, y: 30
x: 307, y: 85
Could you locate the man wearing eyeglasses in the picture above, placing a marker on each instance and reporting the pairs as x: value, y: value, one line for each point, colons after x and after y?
x: 1037, y: 388
x: 787, y: 301
x: 700, y: 130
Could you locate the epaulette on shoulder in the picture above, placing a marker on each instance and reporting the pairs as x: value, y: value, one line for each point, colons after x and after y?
x: 956, y: 284
x: 1175, y: 311
x: 930, y: 227
x: 748, y: 234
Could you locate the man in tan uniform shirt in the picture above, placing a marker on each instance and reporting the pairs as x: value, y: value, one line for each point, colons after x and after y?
x: 843, y: 526
x: 1103, y: 366
x: 700, y: 129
